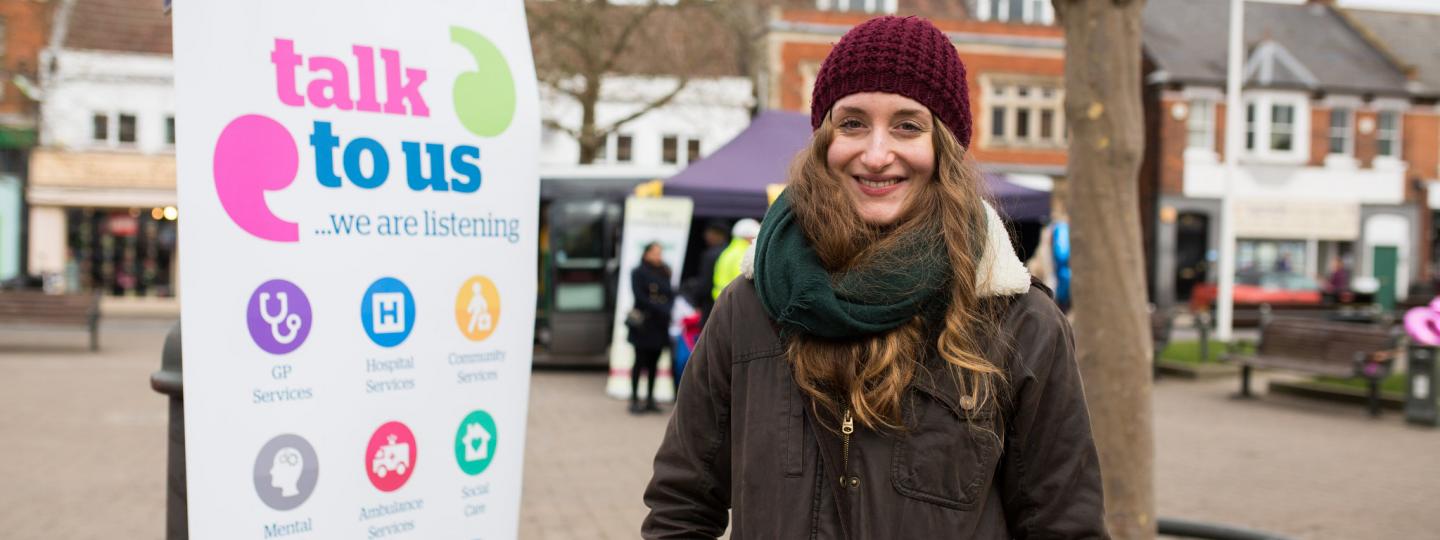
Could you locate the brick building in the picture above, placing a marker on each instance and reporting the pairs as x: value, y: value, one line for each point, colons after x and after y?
x: 24, y: 30
x: 1336, y: 145
x: 1013, y: 53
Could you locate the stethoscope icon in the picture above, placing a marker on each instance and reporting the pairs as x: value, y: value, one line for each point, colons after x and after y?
x: 291, y: 320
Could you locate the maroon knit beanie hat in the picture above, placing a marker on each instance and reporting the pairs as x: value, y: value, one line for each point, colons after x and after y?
x: 897, y: 55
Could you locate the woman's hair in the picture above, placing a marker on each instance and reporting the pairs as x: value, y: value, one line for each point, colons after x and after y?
x: 871, y: 373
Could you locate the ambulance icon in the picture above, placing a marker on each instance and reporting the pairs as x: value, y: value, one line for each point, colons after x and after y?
x: 392, y: 457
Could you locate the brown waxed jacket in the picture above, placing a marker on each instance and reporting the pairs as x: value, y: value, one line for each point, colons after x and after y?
x: 743, y: 437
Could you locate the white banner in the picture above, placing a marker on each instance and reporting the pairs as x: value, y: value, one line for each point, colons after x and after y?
x: 659, y: 219
x: 360, y: 192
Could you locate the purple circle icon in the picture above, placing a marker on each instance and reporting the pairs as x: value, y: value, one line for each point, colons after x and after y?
x: 279, y: 316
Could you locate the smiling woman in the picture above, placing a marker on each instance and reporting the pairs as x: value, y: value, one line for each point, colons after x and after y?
x: 887, y: 368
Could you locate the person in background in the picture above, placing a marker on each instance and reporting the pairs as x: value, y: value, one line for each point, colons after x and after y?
x: 727, y: 268
x: 886, y: 368
x: 716, y: 239
x: 654, y: 299
x: 1337, y: 284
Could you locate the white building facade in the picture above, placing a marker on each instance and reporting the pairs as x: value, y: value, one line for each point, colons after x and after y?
x: 102, y: 181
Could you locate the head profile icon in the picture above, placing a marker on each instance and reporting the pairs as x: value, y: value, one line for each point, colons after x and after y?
x: 285, y: 471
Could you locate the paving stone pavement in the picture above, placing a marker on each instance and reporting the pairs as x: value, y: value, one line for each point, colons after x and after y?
x: 84, y: 441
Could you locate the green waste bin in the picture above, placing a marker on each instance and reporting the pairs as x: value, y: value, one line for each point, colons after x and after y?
x: 1422, y: 406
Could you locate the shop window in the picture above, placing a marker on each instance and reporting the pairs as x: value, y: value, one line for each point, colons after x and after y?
x: 121, y: 252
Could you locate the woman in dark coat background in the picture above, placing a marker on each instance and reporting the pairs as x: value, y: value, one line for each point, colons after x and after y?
x: 653, y: 297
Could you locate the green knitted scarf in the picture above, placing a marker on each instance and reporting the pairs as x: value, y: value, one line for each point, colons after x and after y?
x: 803, y: 297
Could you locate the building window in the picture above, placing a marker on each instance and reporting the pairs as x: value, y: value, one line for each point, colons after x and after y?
x: 1339, y: 131
x: 1282, y: 127
x: 670, y: 150
x: 170, y: 130
x: 623, y: 146
x: 1019, y: 11
x: 1201, y: 125
x: 126, y: 131
x: 100, y: 127
x: 692, y: 151
x: 1387, y: 134
x: 1249, y: 126
x: 862, y: 6
x: 1026, y: 115
x: 1277, y: 127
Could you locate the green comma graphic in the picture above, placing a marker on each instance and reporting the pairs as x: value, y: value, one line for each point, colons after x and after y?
x: 484, y: 98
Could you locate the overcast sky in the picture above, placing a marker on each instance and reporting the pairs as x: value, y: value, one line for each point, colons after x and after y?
x: 1427, y: 6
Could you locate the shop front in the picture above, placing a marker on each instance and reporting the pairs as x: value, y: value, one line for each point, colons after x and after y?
x: 104, y: 222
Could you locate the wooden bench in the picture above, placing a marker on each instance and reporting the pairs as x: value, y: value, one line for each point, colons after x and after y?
x: 34, y: 307
x: 1336, y: 349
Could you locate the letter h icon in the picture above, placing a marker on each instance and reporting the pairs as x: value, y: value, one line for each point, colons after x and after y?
x: 388, y: 311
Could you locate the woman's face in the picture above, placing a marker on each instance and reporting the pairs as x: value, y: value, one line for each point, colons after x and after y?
x: 883, y: 148
x: 653, y: 255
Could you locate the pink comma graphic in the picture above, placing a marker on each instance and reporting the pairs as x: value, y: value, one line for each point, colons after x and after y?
x: 1423, y: 323
x: 256, y: 154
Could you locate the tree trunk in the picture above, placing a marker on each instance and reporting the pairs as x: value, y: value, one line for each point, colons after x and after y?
x: 1112, y: 331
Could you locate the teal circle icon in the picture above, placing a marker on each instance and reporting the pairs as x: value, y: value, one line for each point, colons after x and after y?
x: 475, y: 442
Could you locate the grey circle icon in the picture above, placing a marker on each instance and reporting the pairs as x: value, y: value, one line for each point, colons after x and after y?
x: 286, y: 471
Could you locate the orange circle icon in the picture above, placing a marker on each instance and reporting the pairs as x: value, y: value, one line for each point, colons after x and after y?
x: 477, y: 308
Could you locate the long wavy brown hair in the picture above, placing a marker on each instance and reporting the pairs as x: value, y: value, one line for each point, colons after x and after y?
x: 871, y: 373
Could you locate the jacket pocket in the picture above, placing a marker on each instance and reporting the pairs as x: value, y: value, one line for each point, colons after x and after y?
x: 942, y: 458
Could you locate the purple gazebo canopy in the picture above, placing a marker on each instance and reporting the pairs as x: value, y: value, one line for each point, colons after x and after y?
x: 731, y: 182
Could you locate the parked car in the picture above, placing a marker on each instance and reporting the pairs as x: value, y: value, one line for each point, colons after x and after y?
x: 1252, y: 289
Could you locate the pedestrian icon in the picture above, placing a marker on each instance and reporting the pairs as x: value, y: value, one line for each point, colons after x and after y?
x: 477, y: 308
x: 475, y: 442
x: 278, y: 316
x: 286, y: 471
x: 387, y: 312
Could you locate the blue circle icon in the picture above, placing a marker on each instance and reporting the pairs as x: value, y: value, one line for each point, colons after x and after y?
x: 387, y: 311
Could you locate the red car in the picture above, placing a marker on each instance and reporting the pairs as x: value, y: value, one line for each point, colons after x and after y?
x: 1276, y: 289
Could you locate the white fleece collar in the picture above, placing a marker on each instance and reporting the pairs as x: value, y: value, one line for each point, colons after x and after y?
x: 1000, y: 272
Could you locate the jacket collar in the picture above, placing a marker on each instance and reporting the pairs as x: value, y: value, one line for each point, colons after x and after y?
x: 1000, y: 272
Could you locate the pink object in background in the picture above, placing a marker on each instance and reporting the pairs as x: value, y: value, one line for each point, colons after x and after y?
x: 1423, y: 323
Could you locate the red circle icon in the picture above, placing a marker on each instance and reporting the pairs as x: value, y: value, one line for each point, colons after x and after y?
x: 390, y: 456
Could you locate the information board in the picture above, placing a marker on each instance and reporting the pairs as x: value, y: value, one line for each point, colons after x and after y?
x: 358, y: 265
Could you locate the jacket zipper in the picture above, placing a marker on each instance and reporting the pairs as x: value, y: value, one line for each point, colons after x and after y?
x: 847, y: 427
